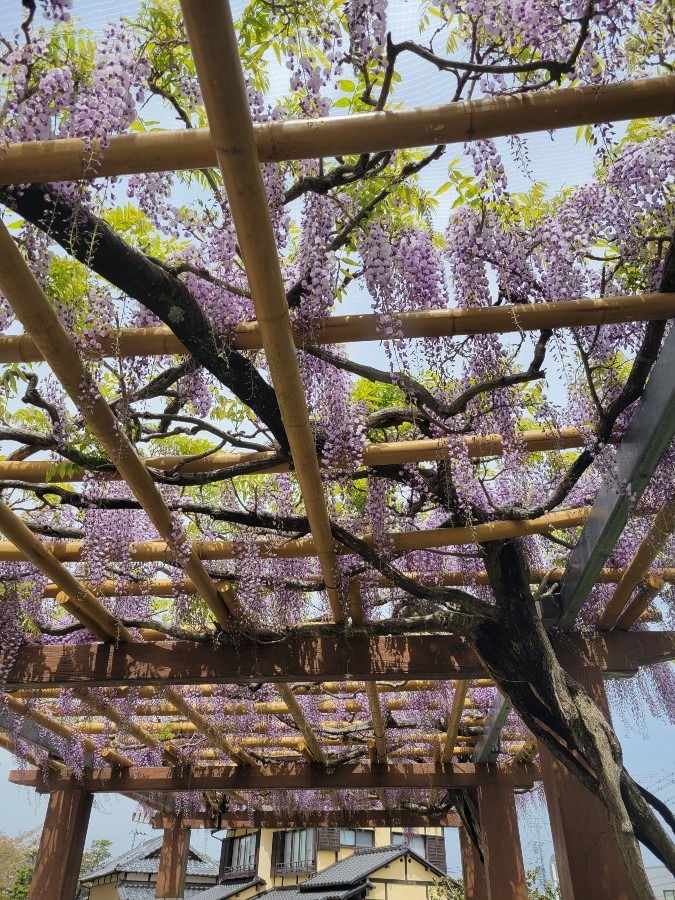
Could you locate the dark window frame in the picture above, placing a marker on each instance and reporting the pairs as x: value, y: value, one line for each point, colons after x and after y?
x: 228, y: 872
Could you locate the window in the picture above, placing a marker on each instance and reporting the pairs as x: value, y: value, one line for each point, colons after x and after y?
x: 414, y: 841
x: 352, y: 837
x: 430, y: 847
x: 293, y: 851
x: 239, y: 855
x: 669, y: 895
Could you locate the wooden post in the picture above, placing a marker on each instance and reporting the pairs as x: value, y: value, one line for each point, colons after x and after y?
x: 473, y: 870
x: 504, y: 869
x: 173, y: 861
x: 588, y: 859
x: 59, y: 857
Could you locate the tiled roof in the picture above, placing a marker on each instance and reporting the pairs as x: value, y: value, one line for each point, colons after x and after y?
x: 145, y: 859
x: 357, y: 867
x: 229, y: 889
x: 326, y: 893
x: 128, y: 890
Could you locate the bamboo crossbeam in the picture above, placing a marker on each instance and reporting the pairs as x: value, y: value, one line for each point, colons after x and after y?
x: 265, y: 741
x: 75, y: 598
x: 382, y: 454
x: 458, y: 700
x: 164, y: 709
x: 304, y: 548
x: 38, y: 317
x: 160, y: 340
x: 166, y: 587
x: 163, y: 151
x: 215, y: 51
x: 652, y: 544
x: 147, y: 692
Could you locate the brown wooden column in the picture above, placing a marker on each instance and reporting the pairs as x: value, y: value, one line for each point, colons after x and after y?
x: 473, y: 871
x: 173, y: 861
x: 59, y: 856
x: 504, y: 870
x: 588, y: 859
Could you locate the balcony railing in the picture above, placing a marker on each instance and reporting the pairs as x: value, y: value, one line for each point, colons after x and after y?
x: 239, y: 871
x: 301, y: 866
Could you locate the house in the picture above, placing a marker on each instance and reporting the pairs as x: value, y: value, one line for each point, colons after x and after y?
x: 133, y: 875
x: 317, y: 864
x: 662, y: 882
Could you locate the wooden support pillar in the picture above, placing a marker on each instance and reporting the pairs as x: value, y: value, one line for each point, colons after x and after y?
x: 504, y: 869
x: 588, y: 859
x: 473, y: 870
x: 59, y: 856
x: 173, y: 861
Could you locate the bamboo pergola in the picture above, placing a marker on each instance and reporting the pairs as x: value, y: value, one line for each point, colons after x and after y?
x: 371, y: 715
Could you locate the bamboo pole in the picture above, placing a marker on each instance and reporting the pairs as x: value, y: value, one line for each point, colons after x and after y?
x: 146, y: 692
x: 355, y: 604
x: 77, y: 600
x: 386, y: 453
x: 273, y: 709
x: 47, y: 722
x: 107, y: 711
x: 216, y: 55
x: 293, y: 742
x: 160, y: 340
x: 638, y: 609
x: 311, y: 740
x: 304, y: 548
x: 652, y: 544
x: 38, y: 317
x: 165, y: 587
x: 378, y: 722
x: 199, y: 723
x: 458, y: 700
x: 163, y: 151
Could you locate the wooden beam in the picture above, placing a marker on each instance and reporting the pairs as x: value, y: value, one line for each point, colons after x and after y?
x: 346, y: 818
x: 434, y: 657
x: 304, y: 548
x: 504, y: 869
x: 473, y: 870
x: 469, y: 120
x: 589, y: 861
x: 285, y: 777
x: 215, y: 50
x: 59, y: 856
x: 453, y: 322
x: 173, y: 860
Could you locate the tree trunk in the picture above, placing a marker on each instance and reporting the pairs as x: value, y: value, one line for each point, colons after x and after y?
x: 517, y: 652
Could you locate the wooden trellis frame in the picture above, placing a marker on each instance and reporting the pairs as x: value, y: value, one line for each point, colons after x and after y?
x: 238, y: 146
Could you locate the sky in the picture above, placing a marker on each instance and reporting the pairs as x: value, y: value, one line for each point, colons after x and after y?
x: 556, y: 159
